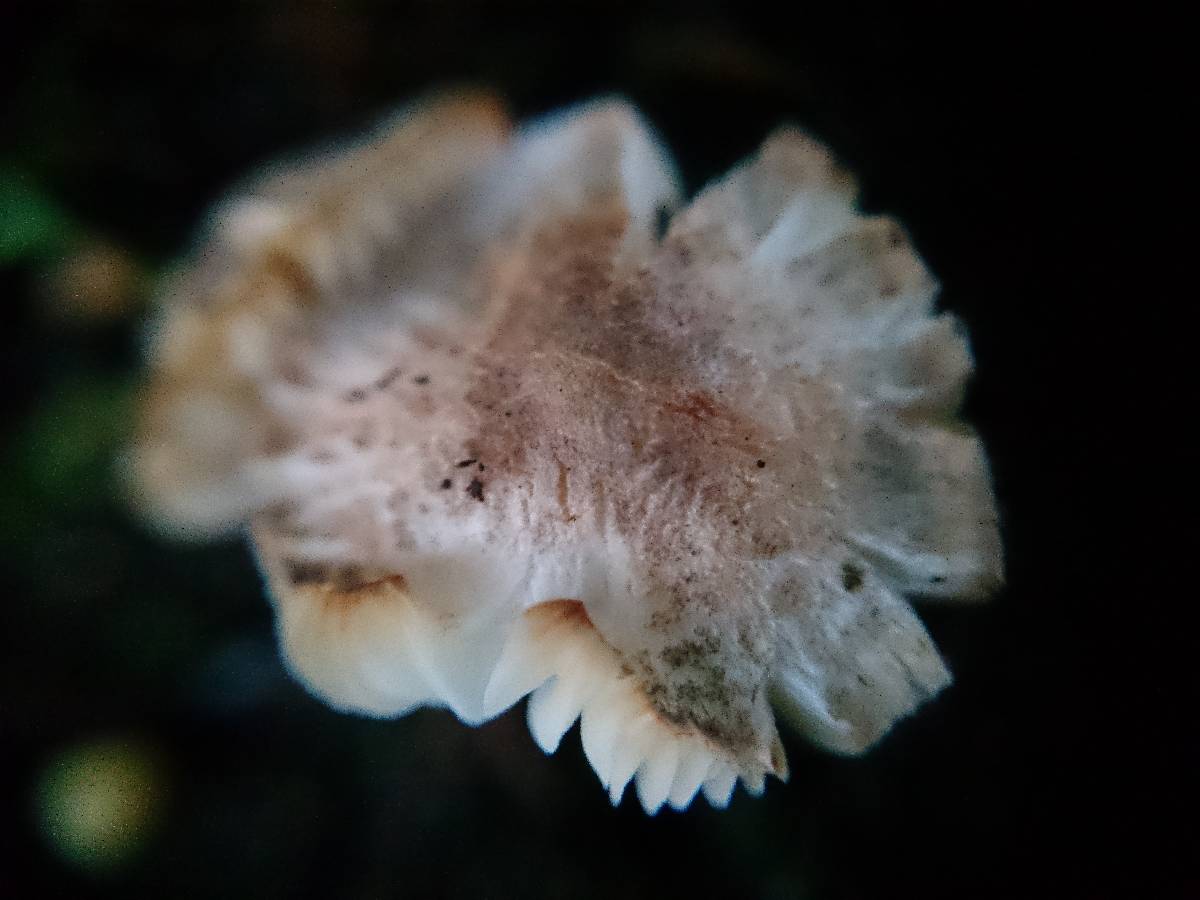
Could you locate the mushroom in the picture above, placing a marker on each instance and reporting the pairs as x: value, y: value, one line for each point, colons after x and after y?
x: 496, y: 433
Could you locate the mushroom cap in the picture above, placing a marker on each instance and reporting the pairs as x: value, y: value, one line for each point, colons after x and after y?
x: 497, y: 434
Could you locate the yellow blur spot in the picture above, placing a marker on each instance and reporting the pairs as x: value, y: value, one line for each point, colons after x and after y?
x: 95, y: 283
x: 98, y: 801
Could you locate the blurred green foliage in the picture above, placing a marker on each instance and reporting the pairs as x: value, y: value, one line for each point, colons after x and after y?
x: 32, y: 224
x: 65, y: 452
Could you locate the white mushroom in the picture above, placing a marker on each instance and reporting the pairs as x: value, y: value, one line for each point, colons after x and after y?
x: 495, y: 436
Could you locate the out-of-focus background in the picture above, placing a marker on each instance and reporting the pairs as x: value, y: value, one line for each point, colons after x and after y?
x: 151, y: 743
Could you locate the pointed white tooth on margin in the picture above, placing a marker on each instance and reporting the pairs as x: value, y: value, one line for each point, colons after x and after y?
x: 599, y: 728
x: 553, y: 708
x: 657, y: 774
x: 440, y: 665
x: 630, y: 753
x: 718, y: 787
x: 809, y: 221
x: 776, y: 761
x: 755, y: 783
x: 694, y: 765
x: 520, y: 669
x: 633, y: 745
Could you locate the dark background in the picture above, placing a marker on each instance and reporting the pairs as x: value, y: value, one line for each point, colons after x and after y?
x: 1046, y: 771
